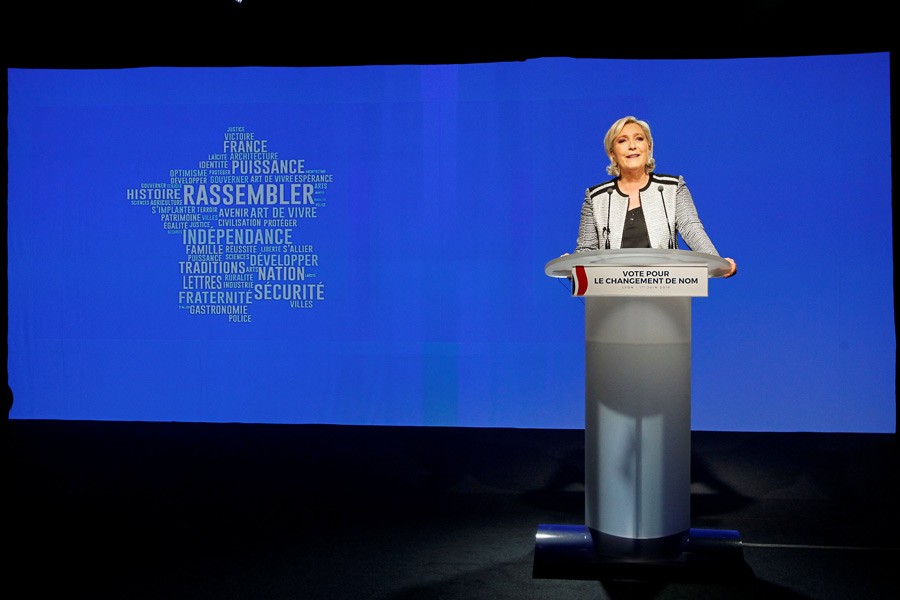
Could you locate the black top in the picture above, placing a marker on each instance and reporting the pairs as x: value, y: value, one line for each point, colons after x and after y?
x: 635, y: 233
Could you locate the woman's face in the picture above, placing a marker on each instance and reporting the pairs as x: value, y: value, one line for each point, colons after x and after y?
x: 631, y: 151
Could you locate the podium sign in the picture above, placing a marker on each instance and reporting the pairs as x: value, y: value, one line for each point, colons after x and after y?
x: 639, y: 281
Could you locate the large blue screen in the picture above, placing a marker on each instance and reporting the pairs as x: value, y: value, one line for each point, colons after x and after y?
x: 366, y: 245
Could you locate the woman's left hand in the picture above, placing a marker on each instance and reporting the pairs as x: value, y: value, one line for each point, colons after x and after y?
x: 733, y: 271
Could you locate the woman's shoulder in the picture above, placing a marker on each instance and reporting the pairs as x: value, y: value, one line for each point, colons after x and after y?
x: 601, y: 188
x: 665, y: 179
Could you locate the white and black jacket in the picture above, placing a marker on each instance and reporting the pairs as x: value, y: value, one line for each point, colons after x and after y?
x: 668, y: 210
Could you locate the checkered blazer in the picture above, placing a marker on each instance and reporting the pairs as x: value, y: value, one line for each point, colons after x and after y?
x: 668, y: 210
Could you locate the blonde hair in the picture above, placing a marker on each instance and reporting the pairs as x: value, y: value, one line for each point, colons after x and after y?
x: 610, y: 140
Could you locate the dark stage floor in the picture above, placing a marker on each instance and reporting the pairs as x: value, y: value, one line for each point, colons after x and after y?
x: 227, y: 511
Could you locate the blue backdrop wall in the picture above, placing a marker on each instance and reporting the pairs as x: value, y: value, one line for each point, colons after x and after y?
x: 366, y: 244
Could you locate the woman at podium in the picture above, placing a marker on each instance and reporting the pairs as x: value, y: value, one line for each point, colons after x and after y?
x: 639, y: 208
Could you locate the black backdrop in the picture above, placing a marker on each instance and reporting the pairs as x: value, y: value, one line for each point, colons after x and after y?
x: 285, y: 32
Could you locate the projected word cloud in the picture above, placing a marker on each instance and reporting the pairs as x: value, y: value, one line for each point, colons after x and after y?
x: 239, y: 215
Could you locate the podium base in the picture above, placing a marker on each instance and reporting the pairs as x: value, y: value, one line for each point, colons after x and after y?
x: 579, y: 552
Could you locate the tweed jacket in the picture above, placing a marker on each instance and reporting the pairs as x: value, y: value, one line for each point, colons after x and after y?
x: 668, y: 210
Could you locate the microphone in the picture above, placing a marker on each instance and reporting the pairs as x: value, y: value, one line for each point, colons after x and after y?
x: 608, y: 203
x: 672, y: 242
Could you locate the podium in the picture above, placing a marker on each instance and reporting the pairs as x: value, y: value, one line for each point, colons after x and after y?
x: 637, y: 424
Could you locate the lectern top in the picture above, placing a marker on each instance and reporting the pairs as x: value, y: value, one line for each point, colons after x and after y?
x: 637, y: 257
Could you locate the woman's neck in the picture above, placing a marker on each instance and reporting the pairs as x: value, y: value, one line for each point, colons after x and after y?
x: 633, y: 179
x: 631, y: 183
